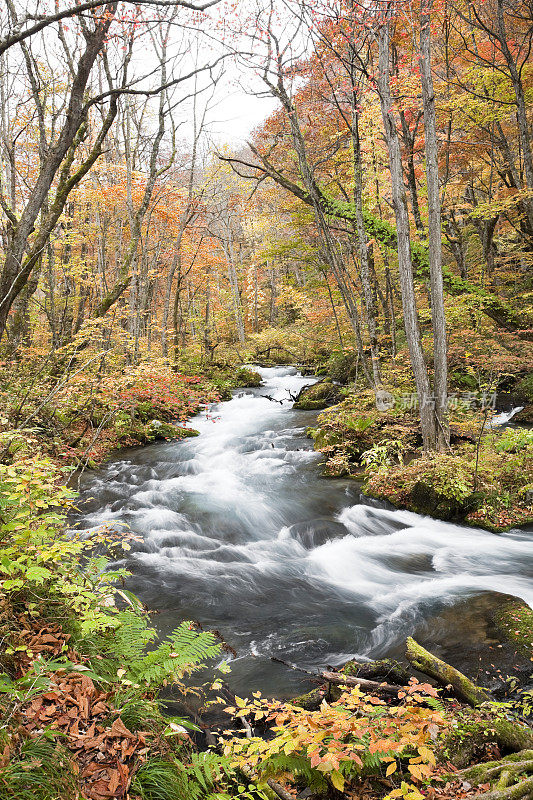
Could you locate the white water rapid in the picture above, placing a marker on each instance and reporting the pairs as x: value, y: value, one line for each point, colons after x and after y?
x: 240, y: 532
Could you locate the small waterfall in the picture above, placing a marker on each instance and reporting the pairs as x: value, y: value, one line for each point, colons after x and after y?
x: 504, y: 417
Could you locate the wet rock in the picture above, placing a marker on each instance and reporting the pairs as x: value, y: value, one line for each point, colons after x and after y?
x: 316, y: 532
x: 320, y: 395
x: 525, y: 417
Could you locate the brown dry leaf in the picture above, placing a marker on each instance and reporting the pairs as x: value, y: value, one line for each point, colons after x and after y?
x: 34, y: 764
x: 114, y: 780
x: 91, y: 730
x: 97, y: 790
x: 84, y: 707
x: 90, y: 769
x: 4, y: 758
x: 129, y: 749
x: 119, y: 729
x: 49, y: 639
x: 88, y: 744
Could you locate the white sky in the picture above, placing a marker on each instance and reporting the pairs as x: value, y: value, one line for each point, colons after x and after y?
x: 237, y: 113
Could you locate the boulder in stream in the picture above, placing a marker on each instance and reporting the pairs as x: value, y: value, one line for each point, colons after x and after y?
x: 318, y: 396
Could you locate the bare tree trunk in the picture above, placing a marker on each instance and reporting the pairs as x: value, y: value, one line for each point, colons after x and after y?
x: 363, y: 248
x: 405, y: 266
x: 521, y: 110
x: 329, y: 253
x: 19, y: 263
x: 434, y: 235
x: 409, y: 144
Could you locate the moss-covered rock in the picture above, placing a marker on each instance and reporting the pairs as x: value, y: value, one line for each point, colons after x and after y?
x: 425, y: 499
x: 311, y: 700
x: 514, y: 622
x: 384, y: 669
x: 471, y: 733
x: 156, y: 429
x: 247, y: 378
x: 318, y: 396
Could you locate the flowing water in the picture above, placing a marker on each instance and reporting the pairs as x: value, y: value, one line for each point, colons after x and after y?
x: 241, y: 532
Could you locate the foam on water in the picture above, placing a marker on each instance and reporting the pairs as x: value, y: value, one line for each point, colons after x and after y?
x: 240, y: 531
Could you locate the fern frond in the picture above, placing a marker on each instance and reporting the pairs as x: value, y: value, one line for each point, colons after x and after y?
x: 185, y: 650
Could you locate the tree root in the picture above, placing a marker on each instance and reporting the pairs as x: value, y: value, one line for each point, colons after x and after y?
x: 510, y: 736
x: 518, y: 791
x: 482, y: 773
x: 506, y: 772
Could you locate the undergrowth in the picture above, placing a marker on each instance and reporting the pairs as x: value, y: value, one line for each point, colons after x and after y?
x: 82, y: 667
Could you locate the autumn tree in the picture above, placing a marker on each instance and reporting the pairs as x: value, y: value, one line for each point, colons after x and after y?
x: 97, y: 58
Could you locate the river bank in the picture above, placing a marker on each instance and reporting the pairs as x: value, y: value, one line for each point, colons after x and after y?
x: 483, y: 480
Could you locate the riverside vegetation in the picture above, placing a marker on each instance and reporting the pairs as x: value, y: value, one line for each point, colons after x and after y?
x: 376, y: 229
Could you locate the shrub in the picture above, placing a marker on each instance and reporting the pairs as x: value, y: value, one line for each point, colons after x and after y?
x: 514, y: 439
x: 356, y: 736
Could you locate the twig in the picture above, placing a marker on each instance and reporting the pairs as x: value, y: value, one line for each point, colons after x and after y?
x: 343, y: 680
x: 279, y: 790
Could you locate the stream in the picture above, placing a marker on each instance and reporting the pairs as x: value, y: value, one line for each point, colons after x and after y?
x: 240, y: 532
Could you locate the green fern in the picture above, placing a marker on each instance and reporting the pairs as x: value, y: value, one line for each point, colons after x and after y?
x: 436, y: 704
x: 184, y: 651
x: 123, y: 646
x: 297, y: 765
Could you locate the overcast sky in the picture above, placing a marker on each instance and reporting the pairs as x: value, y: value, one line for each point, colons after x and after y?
x: 237, y: 113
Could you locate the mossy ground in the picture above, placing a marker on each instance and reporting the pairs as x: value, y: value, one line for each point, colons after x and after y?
x: 487, y: 485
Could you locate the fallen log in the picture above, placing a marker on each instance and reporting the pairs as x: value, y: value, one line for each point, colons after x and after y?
x: 343, y: 680
x: 445, y: 674
x: 347, y: 680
